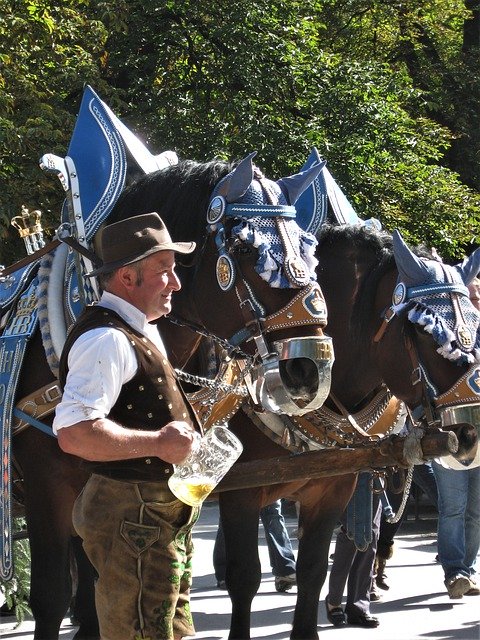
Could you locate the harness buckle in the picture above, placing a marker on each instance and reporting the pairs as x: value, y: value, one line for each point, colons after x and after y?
x: 416, y: 376
x: 389, y: 314
x: 52, y: 394
x: 387, y: 317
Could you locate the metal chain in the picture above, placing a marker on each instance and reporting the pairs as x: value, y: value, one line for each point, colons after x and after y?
x: 219, y: 388
x: 238, y: 389
x: 406, y: 492
x: 216, y: 384
x: 229, y: 348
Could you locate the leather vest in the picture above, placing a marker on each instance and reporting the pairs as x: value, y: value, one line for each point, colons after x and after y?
x: 152, y: 398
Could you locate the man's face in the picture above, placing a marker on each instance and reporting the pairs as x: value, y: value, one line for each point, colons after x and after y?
x: 154, y: 282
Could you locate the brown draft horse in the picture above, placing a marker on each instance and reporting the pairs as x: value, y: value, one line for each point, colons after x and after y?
x: 52, y: 479
x: 358, y: 273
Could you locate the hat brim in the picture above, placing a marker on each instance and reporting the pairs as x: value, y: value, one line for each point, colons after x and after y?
x: 177, y: 247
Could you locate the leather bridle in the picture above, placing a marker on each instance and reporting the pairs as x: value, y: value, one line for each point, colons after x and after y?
x: 435, y: 410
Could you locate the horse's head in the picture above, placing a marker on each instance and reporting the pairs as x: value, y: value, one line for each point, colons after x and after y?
x: 265, y: 266
x: 440, y: 328
x: 251, y: 281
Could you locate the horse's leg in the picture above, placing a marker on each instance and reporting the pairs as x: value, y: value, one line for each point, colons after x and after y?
x: 243, y: 571
x: 52, y: 481
x: 84, y: 611
x: 322, y: 504
x: 50, y: 585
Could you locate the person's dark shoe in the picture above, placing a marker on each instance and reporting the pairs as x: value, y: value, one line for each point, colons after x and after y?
x: 284, y: 583
x: 221, y: 584
x: 363, y: 620
x: 375, y: 595
x: 380, y: 577
x: 335, y: 616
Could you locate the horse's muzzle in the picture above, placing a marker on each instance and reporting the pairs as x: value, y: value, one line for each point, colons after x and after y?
x: 295, y: 379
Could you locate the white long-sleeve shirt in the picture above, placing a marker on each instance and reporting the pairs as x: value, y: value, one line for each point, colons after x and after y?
x: 100, y: 362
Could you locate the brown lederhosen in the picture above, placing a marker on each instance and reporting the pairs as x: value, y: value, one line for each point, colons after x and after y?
x: 138, y: 537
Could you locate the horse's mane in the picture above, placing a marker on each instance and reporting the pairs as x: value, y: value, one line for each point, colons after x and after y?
x: 360, y: 236
x: 179, y: 194
x: 377, y: 249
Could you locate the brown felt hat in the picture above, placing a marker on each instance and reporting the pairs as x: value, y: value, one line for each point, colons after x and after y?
x: 136, y: 238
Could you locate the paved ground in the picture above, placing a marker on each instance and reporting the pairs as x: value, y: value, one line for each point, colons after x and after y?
x: 416, y: 607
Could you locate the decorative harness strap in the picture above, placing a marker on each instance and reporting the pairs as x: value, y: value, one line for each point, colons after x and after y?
x: 13, y: 344
x: 465, y: 390
x: 324, y: 428
x: 36, y: 405
x: 308, y: 307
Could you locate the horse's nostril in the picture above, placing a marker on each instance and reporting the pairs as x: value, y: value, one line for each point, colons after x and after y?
x: 300, y: 375
x: 467, y: 441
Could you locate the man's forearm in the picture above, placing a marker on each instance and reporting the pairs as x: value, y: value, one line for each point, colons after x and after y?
x: 102, y: 440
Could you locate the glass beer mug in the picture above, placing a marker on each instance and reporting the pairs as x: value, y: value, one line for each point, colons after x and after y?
x: 209, y: 460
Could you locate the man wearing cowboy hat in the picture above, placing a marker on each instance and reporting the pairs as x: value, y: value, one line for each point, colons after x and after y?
x: 124, y: 413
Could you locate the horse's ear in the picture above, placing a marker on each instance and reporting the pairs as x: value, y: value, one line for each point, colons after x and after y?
x: 411, y: 269
x: 166, y: 159
x: 470, y: 267
x: 294, y: 186
x: 239, y: 181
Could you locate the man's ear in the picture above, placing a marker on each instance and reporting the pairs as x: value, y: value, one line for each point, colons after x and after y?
x: 127, y: 276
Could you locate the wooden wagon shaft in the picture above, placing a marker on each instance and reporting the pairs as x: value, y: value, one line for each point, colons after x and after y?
x: 333, y: 462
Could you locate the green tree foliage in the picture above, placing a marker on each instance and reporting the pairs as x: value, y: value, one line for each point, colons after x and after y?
x: 47, y: 52
x: 15, y: 592
x: 280, y: 77
x: 387, y: 92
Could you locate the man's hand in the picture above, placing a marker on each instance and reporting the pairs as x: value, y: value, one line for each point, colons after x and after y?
x: 175, y: 441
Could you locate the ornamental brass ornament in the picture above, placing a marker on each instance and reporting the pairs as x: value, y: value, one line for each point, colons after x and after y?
x: 399, y: 294
x: 225, y: 272
x: 30, y: 229
x: 464, y: 337
x: 296, y: 271
x: 216, y: 210
x: 473, y: 381
x: 314, y: 302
